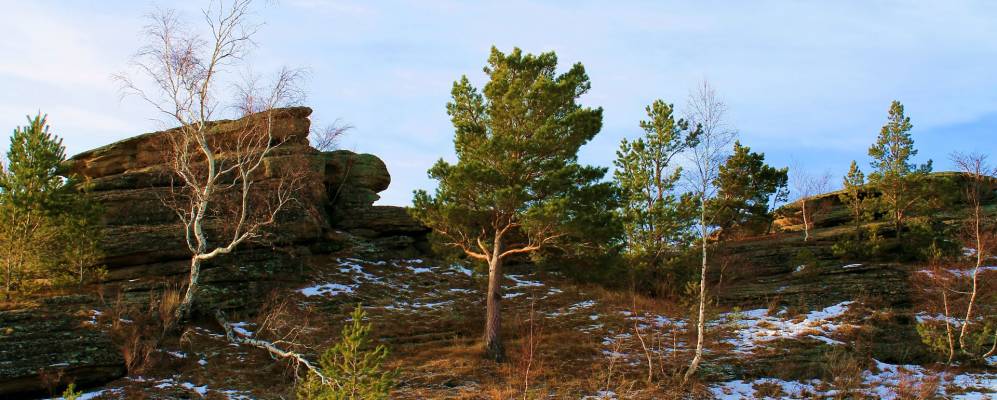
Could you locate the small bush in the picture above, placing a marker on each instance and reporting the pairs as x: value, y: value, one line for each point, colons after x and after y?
x: 70, y: 393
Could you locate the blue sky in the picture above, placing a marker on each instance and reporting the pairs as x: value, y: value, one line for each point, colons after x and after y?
x: 808, y: 82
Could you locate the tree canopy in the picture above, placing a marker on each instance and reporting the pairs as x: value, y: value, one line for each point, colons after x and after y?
x: 894, y: 173
x: 656, y: 216
x: 517, y: 186
x: 746, y: 185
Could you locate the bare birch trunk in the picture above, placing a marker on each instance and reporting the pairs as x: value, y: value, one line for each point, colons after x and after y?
x: 948, y: 326
x: 806, y: 221
x: 183, y: 310
x: 700, y: 323
x: 976, y: 271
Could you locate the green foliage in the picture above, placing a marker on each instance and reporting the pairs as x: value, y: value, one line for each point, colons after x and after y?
x: 854, y: 197
x: 928, y: 237
x: 746, y: 185
x: 657, y: 220
x: 935, y: 337
x: 70, y: 393
x: 517, y: 179
x: 49, y: 229
x: 901, y: 182
x: 354, y: 370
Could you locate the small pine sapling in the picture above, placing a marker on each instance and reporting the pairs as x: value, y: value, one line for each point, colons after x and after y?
x: 352, y: 370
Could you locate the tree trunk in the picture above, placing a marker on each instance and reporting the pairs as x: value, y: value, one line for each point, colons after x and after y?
x: 494, y: 350
x: 183, y: 310
x: 700, y: 324
x: 806, y: 222
x: 898, y: 222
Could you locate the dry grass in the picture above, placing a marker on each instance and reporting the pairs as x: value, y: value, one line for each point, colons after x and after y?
x: 139, y: 330
x: 914, y: 388
x: 844, y: 372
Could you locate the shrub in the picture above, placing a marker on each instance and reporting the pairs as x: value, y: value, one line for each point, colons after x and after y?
x: 352, y: 370
x: 70, y: 393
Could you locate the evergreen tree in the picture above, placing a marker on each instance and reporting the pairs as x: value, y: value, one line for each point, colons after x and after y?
x: 745, y: 186
x: 853, y: 196
x: 655, y: 218
x: 352, y: 369
x: 517, y: 186
x: 898, y: 179
x: 35, y: 178
x: 46, y: 223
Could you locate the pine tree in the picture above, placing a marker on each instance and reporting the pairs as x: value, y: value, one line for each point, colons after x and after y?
x: 517, y: 187
x: 854, y: 196
x: 45, y: 221
x: 745, y: 188
x: 897, y: 178
x: 655, y: 217
x: 353, y: 370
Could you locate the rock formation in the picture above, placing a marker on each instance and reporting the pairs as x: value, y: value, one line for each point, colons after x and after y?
x: 144, y: 247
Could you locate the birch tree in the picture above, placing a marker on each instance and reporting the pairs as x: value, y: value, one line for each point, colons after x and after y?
x: 807, y: 187
x: 979, y: 231
x: 517, y: 185
x: 707, y: 110
x: 216, y: 193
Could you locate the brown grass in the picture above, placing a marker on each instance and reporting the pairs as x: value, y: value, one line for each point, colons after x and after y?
x: 913, y: 388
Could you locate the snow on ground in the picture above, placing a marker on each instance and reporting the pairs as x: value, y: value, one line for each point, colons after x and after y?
x: 331, y: 289
x: 740, y: 389
x: 522, y: 282
x: 881, y: 382
x: 355, y: 267
x: 458, y: 268
x: 102, y: 393
x: 963, y: 272
x: 757, y: 326
x: 240, y: 328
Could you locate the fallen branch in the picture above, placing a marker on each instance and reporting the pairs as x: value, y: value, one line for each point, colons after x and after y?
x: 275, y: 352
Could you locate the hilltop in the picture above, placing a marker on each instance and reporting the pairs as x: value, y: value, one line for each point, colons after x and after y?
x: 791, y: 318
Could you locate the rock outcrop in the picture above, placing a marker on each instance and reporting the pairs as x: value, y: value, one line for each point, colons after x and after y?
x: 56, y: 342
x: 131, y: 180
x: 144, y: 245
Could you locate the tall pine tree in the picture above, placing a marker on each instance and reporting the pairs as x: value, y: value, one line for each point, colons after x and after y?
x: 48, y: 228
x: 517, y: 186
x: 895, y: 175
x: 656, y: 219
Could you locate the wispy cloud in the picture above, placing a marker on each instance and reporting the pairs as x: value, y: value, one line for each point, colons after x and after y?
x: 810, y: 80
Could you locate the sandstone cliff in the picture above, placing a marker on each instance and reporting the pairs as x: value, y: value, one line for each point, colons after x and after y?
x: 144, y: 247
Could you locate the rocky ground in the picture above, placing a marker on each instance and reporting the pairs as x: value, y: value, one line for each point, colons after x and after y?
x: 589, y: 343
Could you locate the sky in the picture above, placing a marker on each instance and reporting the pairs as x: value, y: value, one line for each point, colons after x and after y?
x: 808, y: 83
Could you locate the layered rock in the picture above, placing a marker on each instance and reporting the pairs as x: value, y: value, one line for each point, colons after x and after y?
x: 132, y: 181
x: 56, y: 342
x: 144, y: 245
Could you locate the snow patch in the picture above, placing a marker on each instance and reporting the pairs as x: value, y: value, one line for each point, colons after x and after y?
x: 756, y: 326
x: 240, y: 328
x: 521, y: 282
x: 332, y: 289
